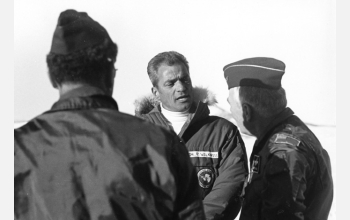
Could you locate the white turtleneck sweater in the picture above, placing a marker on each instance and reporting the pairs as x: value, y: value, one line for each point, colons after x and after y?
x: 177, y: 119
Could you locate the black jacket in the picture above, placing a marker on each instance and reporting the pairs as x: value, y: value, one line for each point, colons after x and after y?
x: 290, y: 174
x: 85, y: 160
x: 218, y: 153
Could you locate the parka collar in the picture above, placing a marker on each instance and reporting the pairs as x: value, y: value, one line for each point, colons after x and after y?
x: 84, y: 90
x: 84, y: 97
x: 280, y: 118
x: 198, y: 111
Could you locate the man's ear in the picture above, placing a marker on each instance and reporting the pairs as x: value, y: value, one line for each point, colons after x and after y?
x: 247, y: 112
x: 155, y: 91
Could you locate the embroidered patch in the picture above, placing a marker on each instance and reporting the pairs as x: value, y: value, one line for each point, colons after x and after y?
x: 256, y: 164
x: 205, y: 178
x: 204, y: 154
x: 286, y: 139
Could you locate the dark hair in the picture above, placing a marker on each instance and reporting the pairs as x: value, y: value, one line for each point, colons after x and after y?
x: 88, y: 66
x: 169, y: 58
x: 268, y: 102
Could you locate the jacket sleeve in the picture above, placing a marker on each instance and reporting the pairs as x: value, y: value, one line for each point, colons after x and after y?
x: 223, y: 201
x: 285, y: 181
x: 189, y: 205
x: 24, y: 162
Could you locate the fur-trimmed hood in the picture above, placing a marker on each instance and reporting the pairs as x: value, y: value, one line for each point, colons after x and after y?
x: 145, y: 104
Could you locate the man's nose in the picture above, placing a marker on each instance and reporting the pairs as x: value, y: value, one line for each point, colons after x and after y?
x: 180, y: 86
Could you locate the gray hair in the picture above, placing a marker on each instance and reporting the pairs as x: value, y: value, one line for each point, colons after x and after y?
x: 268, y: 102
x: 169, y: 58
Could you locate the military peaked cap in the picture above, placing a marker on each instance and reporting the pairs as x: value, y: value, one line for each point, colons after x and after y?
x: 260, y: 72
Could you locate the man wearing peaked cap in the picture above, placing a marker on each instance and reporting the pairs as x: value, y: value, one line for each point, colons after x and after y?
x: 258, y: 72
x: 290, y: 173
x: 83, y: 159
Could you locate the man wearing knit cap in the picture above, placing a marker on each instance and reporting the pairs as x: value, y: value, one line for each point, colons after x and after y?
x: 290, y: 173
x: 83, y: 159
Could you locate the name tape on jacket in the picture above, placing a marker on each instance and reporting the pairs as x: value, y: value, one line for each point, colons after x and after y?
x: 204, y: 154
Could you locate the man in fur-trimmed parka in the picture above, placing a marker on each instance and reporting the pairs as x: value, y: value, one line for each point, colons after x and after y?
x: 215, y: 145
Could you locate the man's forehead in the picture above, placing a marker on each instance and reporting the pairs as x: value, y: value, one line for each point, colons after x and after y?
x: 173, y: 71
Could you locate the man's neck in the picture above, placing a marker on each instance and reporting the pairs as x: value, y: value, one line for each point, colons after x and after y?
x: 258, y: 127
x: 177, y: 119
x: 66, y: 89
x: 261, y: 126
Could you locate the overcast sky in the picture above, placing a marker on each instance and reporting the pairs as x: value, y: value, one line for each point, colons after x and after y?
x: 210, y: 34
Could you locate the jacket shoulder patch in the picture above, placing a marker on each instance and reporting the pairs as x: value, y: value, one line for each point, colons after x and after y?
x: 282, y: 138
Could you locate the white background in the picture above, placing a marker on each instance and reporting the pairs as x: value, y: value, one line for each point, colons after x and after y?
x: 210, y: 34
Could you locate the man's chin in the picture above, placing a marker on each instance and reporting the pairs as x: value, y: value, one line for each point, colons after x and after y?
x: 181, y: 103
x: 184, y: 107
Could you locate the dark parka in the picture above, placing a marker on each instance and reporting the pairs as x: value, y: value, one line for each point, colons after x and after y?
x: 290, y: 174
x: 85, y: 160
x: 218, y: 153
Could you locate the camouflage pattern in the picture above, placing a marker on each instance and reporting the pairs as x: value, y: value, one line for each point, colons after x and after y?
x: 290, y: 176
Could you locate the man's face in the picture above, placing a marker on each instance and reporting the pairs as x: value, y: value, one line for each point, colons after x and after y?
x: 236, y: 110
x: 174, y: 87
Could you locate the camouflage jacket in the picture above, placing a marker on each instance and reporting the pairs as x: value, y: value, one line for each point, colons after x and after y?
x: 290, y: 175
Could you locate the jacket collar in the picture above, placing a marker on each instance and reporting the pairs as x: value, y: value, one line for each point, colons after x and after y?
x: 84, y: 90
x: 84, y: 97
x: 280, y: 118
x: 198, y: 111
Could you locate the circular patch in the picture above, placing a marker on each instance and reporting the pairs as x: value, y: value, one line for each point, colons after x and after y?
x: 205, y: 178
